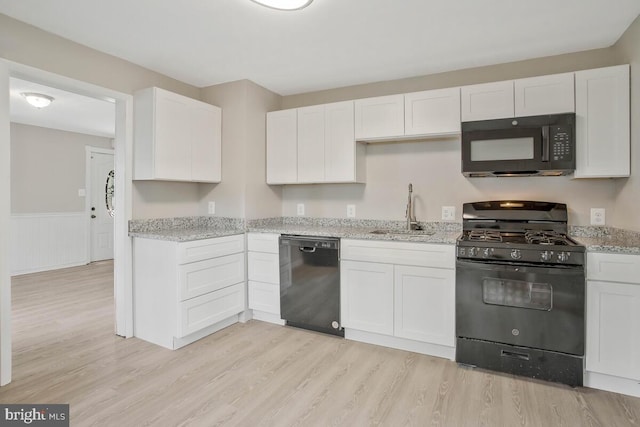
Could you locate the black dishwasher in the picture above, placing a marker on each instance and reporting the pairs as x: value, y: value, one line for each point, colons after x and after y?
x: 310, y: 283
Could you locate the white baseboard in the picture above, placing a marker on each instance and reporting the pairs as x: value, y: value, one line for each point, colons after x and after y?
x: 401, y: 344
x: 48, y: 241
x: 611, y: 383
x: 267, y: 317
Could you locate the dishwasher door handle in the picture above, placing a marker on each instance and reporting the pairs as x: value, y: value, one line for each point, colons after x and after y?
x: 307, y: 249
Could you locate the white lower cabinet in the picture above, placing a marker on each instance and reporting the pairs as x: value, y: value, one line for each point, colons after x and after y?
x: 263, y: 267
x: 366, y: 298
x: 424, y: 304
x: 613, y: 323
x: 399, y: 294
x: 184, y: 291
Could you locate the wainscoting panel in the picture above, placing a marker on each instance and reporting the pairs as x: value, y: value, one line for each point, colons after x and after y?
x: 48, y: 241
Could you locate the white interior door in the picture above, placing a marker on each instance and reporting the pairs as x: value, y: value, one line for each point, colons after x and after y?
x: 101, y: 206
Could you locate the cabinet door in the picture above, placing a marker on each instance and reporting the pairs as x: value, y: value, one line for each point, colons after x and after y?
x: 552, y: 94
x: 366, y: 293
x: 311, y: 144
x: 487, y: 101
x: 263, y: 267
x: 264, y: 297
x: 209, y: 309
x: 206, y: 143
x: 425, y: 304
x: 282, y: 147
x: 602, y: 123
x: 432, y: 112
x: 172, y: 142
x: 380, y: 117
x: 339, y: 142
x: 199, y: 278
x: 613, y: 329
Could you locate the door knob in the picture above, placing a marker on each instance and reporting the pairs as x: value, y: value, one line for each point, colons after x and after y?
x: 93, y: 216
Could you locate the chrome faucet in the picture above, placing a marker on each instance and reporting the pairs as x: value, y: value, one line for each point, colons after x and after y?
x: 412, y: 224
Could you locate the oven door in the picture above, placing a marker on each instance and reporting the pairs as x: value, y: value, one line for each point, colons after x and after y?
x: 523, y: 305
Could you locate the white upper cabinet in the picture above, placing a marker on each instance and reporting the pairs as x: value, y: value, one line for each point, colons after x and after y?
x: 317, y: 143
x: 602, y: 123
x: 380, y: 117
x: 311, y: 142
x: 176, y: 138
x: 432, y: 112
x: 343, y: 158
x: 282, y: 147
x: 553, y: 94
x: 487, y: 101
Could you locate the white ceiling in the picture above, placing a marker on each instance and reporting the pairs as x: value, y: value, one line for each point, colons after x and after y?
x: 331, y: 43
x: 69, y: 111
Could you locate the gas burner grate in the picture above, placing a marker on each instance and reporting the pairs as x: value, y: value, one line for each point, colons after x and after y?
x: 485, y: 236
x: 544, y: 237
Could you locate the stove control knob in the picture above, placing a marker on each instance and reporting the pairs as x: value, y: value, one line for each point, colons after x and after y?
x: 546, y: 255
x: 473, y: 252
x: 487, y: 252
x: 563, y: 256
x: 516, y: 254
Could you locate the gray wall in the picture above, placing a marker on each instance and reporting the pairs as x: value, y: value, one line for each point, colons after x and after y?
x: 243, y: 191
x: 434, y: 166
x: 48, y: 167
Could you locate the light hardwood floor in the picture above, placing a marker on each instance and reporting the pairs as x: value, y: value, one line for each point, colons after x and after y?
x: 258, y: 374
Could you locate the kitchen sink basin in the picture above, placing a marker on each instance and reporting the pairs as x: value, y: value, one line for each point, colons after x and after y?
x: 408, y: 233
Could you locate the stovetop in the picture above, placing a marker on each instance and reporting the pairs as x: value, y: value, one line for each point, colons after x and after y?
x: 518, y: 232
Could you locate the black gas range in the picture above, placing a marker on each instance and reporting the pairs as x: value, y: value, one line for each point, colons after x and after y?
x: 520, y: 291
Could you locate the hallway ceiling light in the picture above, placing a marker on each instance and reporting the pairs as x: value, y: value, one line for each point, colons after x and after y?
x: 38, y: 100
x: 284, y: 4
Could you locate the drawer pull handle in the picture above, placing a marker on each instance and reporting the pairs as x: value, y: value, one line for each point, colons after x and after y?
x: 520, y: 356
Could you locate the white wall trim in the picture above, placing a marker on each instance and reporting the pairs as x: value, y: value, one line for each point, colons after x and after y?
x: 5, y: 212
x: 123, y: 145
x: 47, y: 241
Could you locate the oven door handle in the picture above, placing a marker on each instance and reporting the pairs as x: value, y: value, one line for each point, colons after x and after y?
x: 515, y: 355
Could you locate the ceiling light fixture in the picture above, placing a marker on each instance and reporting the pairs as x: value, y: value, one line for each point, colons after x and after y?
x: 38, y: 100
x: 284, y: 4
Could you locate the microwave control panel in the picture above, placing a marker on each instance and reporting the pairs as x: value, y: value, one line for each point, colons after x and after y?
x: 561, y: 143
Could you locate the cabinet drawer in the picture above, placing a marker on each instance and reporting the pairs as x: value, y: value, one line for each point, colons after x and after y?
x: 613, y: 267
x: 264, y: 297
x: 206, y: 310
x: 264, y: 267
x: 199, y: 250
x: 401, y: 253
x: 263, y: 242
x: 199, y: 278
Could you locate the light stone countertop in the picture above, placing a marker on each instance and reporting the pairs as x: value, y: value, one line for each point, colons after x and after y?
x: 433, y: 232
x: 184, y: 229
x: 607, y: 239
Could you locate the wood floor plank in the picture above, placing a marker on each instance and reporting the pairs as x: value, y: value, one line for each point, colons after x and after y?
x: 259, y: 374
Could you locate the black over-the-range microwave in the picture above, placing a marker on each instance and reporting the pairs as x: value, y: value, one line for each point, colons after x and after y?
x: 522, y: 146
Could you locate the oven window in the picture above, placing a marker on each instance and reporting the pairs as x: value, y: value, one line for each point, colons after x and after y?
x: 502, y: 149
x: 516, y: 293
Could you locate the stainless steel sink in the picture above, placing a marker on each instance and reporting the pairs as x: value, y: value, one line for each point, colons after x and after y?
x: 408, y: 233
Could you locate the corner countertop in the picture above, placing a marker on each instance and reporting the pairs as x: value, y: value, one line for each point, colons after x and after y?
x: 432, y: 232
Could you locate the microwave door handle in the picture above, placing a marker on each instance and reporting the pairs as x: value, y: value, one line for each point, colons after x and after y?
x: 545, y: 143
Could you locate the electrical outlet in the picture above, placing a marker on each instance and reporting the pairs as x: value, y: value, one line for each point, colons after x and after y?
x: 82, y: 192
x: 598, y: 216
x: 448, y: 213
x: 351, y: 211
x: 300, y: 209
x: 212, y: 208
